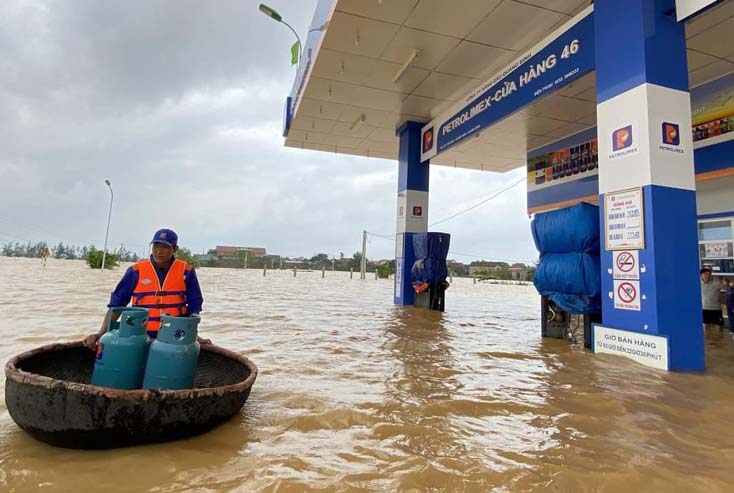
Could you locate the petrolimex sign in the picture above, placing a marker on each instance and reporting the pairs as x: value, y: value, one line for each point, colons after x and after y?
x: 562, y: 57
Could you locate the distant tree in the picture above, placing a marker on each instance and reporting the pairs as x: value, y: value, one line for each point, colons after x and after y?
x: 19, y: 250
x: 72, y: 252
x: 94, y: 259
x: 385, y: 270
x: 124, y: 254
x: 59, y: 251
x: 357, y: 261
x: 186, y: 255
x: 35, y: 250
x: 319, y: 258
x: 8, y: 249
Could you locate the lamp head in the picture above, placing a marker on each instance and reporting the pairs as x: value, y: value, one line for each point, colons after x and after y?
x: 107, y: 182
x: 270, y: 12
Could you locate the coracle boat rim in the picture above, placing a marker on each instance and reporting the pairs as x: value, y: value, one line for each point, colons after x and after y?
x: 12, y: 372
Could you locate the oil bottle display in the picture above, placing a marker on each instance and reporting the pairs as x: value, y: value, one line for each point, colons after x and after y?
x: 123, y: 350
x: 173, y: 355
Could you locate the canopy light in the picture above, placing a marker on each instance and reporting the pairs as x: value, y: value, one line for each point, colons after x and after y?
x: 358, y: 122
x: 270, y: 12
x: 405, y: 65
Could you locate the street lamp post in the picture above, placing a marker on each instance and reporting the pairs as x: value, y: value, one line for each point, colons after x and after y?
x: 270, y: 12
x: 109, y: 216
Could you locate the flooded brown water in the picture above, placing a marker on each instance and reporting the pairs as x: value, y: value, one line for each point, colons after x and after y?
x: 357, y: 395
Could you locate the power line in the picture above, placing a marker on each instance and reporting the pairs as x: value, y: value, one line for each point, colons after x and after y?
x: 500, y: 192
x: 471, y: 255
x: 387, y: 237
x: 491, y: 259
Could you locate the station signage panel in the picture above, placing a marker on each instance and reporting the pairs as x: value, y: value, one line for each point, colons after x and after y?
x: 561, y: 58
x: 712, y: 107
x: 624, y: 227
x: 627, y: 295
x: 626, y: 265
x: 646, y: 349
x: 564, y: 165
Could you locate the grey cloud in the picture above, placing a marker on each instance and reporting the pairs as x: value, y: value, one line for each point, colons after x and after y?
x: 179, y: 104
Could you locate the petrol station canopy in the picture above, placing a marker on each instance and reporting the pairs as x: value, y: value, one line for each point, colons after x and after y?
x: 371, y: 65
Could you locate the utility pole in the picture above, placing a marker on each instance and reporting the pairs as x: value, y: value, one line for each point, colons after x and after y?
x: 363, y: 263
x: 109, y: 216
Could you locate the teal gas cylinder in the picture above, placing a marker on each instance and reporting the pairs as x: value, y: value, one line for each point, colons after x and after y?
x: 173, y: 355
x: 123, y: 350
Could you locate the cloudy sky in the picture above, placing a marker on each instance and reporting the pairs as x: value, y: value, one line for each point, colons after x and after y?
x: 179, y: 104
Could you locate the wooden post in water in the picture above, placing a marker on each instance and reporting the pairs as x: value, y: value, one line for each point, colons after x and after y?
x: 323, y: 272
x: 294, y: 271
x: 474, y: 279
x: 377, y: 274
x: 363, y: 263
x: 265, y: 270
x: 351, y: 272
x: 451, y: 277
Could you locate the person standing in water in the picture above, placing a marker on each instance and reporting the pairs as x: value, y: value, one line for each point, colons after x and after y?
x: 162, y: 283
x: 44, y: 255
x: 710, y: 291
x: 730, y: 305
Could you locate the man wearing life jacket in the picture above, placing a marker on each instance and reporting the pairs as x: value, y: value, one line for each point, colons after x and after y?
x: 162, y: 283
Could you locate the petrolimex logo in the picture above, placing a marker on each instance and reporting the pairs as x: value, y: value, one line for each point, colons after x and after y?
x: 671, y: 138
x: 622, y: 140
x: 671, y: 134
x: 427, y: 140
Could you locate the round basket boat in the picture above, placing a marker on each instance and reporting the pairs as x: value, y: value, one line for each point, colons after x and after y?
x: 48, y: 394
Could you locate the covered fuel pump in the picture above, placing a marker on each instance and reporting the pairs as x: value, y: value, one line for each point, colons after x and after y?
x: 429, y: 271
x: 568, y: 276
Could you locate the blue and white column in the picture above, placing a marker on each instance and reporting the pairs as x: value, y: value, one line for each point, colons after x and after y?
x: 649, y: 256
x: 412, y: 210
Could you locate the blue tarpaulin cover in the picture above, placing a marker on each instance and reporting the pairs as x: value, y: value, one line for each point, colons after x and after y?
x: 573, y: 229
x: 569, y: 272
x: 430, y: 250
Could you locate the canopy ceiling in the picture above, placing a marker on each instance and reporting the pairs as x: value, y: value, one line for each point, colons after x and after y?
x: 462, y: 43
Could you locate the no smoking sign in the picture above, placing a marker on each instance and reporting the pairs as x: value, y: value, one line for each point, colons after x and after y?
x: 626, y: 265
x: 627, y: 295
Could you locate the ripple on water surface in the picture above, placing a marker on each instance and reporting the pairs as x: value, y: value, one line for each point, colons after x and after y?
x: 357, y: 395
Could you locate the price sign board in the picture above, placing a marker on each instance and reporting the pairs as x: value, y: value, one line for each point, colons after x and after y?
x: 624, y: 220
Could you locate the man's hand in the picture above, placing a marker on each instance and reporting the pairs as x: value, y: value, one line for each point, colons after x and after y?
x: 91, y: 341
x: 201, y: 340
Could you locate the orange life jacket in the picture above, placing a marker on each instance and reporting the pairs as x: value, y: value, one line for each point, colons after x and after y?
x: 169, y: 298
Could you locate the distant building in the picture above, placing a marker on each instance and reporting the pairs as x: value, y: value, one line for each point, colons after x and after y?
x: 234, y: 256
x: 485, y: 265
x: 519, y: 271
x: 457, y: 268
x: 236, y: 251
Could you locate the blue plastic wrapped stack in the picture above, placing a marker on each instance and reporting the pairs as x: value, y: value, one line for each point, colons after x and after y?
x: 431, y: 250
x: 569, y: 271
